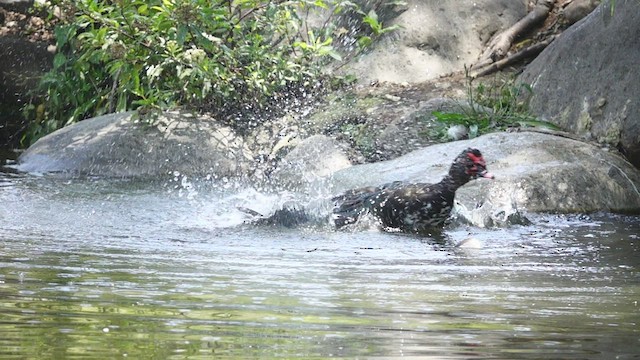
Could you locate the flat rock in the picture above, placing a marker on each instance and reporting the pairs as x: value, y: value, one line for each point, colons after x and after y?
x: 534, y: 172
x: 115, y: 146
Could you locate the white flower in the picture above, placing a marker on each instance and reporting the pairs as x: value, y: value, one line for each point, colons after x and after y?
x: 194, y: 55
x: 212, y: 38
x: 153, y: 72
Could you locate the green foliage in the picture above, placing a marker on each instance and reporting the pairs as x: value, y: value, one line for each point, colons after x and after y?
x: 608, y: 15
x: 371, y: 19
x: 225, y: 58
x: 491, y: 108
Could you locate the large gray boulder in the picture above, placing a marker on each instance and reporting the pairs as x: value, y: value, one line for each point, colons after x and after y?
x: 435, y: 38
x: 587, y: 81
x: 115, y: 146
x: 534, y: 172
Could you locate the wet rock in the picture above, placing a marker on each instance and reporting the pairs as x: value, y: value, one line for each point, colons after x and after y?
x: 470, y: 243
x: 115, y: 146
x: 315, y: 157
x: 583, y: 81
x: 534, y: 172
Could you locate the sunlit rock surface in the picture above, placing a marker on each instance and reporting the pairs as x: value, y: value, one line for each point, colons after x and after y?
x: 434, y: 38
x: 115, y: 146
x: 534, y: 173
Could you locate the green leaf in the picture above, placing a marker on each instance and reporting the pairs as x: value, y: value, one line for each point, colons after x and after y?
x: 183, y: 30
x: 320, y: 4
x: 391, y: 28
x: 364, y: 42
x: 372, y: 16
x: 450, y: 118
x: 335, y: 55
x: 539, y: 124
x: 63, y: 33
x: 58, y: 60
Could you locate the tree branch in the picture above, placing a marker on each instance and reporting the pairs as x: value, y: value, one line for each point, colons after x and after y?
x: 499, y: 45
x: 521, y: 55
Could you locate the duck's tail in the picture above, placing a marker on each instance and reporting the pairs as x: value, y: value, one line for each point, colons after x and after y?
x: 287, y: 216
x: 352, y: 205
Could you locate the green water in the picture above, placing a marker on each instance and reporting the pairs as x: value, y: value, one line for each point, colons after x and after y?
x: 96, y: 269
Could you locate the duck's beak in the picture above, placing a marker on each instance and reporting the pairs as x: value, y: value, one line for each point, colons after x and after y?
x: 485, y: 174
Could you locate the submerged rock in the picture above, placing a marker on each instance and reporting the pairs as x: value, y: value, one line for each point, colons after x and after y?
x: 534, y: 172
x: 115, y: 146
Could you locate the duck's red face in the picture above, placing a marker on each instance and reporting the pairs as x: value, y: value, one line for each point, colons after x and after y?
x: 476, y: 167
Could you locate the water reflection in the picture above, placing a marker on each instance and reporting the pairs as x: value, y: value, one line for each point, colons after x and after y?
x: 104, y: 270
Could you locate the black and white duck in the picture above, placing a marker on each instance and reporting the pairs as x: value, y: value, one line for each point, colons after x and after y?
x: 411, y: 207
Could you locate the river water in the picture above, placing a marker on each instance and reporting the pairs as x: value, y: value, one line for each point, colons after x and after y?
x: 113, y: 269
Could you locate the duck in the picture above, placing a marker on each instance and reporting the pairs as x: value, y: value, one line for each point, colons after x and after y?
x: 410, y: 207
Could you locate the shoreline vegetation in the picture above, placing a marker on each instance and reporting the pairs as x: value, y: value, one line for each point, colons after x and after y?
x: 233, y: 61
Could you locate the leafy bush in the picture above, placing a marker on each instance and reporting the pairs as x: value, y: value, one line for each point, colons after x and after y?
x: 222, y: 57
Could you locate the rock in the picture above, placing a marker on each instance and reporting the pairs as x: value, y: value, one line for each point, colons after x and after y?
x: 315, y: 157
x: 470, y: 243
x: 534, y: 172
x: 435, y: 38
x: 584, y: 81
x: 457, y: 132
x: 577, y: 9
x: 392, y: 97
x: 381, y: 129
x: 407, y: 133
x: 115, y: 146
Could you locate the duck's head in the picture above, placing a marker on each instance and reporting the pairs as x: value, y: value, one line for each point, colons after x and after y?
x: 469, y: 165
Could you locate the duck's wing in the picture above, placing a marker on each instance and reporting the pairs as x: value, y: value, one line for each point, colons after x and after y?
x: 352, y: 204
